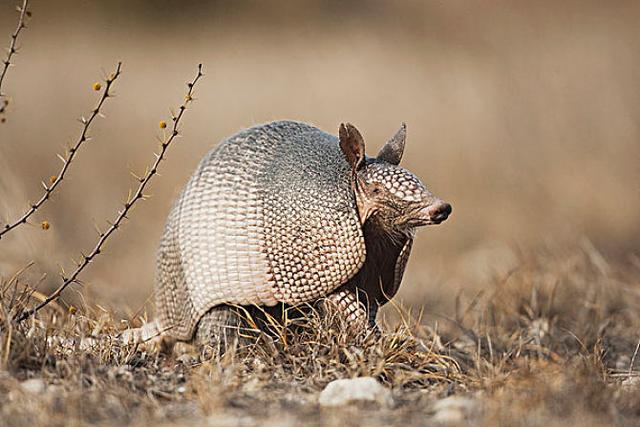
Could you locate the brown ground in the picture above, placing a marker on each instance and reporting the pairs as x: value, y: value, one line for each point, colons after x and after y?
x: 523, y: 115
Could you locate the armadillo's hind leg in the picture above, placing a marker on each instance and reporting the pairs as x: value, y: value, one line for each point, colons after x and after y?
x: 355, y: 304
x: 221, y: 328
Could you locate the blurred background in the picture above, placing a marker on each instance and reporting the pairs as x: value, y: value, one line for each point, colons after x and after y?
x: 523, y: 115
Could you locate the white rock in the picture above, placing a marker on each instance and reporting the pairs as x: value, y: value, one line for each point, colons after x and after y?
x: 229, y: 420
x: 631, y: 383
x: 342, y: 392
x: 453, y: 409
x: 448, y: 416
x: 33, y: 386
x: 284, y: 421
x: 623, y: 362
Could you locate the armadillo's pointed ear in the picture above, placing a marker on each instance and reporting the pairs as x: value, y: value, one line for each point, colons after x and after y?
x: 393, y: 149
x: 352, y: 145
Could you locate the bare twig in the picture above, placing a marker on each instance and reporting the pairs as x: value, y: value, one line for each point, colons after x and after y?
x: 633, y: 359
x: 66, y: 161
x: 12, y: 51
x: 131, y: 200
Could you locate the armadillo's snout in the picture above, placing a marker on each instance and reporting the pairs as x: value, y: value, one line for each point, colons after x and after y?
x: 437, y: 212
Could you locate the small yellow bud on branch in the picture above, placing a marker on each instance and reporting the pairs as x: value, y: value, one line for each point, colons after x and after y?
x: 66, y: 161
x: 132, y: 198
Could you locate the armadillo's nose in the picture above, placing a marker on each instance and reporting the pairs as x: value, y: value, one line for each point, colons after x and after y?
x: 438, y: 211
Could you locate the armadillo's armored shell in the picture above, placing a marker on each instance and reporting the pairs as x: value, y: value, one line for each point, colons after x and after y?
x: 269, y: 216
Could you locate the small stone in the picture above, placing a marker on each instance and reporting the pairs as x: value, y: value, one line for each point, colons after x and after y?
x: 281, y: 421
x: 345, y: 391
x: 449, y: 416
x: 623, y: 362
x: 631, y: 383
x: 228, y: 420
x: 453, y: 410
x: 252, y: 386
x: 33, y: 386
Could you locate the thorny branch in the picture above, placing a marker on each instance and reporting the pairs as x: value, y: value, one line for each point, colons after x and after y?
x: 131, y: 200
x: 66, y: 161
x: 12, y: 51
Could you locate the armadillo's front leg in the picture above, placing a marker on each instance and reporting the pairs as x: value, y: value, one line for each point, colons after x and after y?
x: 355, y: 304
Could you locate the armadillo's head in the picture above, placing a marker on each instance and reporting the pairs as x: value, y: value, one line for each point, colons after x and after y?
x: 386, y: 193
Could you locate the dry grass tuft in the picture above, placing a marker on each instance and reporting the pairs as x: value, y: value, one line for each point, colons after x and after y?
x: 554, y: 340
x: 324, y: 346
x: 554, y: 307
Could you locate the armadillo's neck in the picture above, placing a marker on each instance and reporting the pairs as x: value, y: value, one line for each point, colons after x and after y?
x: 379, y: 240
x: 383, y: 249
x: 380, y: 237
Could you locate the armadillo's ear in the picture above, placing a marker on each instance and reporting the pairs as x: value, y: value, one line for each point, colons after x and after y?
x: 352, y: 145
x: 393, y: 149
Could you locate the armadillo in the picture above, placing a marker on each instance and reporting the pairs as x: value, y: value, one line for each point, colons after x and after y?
x: 285, y: 213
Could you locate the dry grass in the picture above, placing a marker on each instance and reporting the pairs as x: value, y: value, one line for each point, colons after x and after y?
x: 556, y: 338
x: 552, y: 341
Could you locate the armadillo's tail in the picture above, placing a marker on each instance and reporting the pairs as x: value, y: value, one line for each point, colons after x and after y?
x: 147, y: 332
